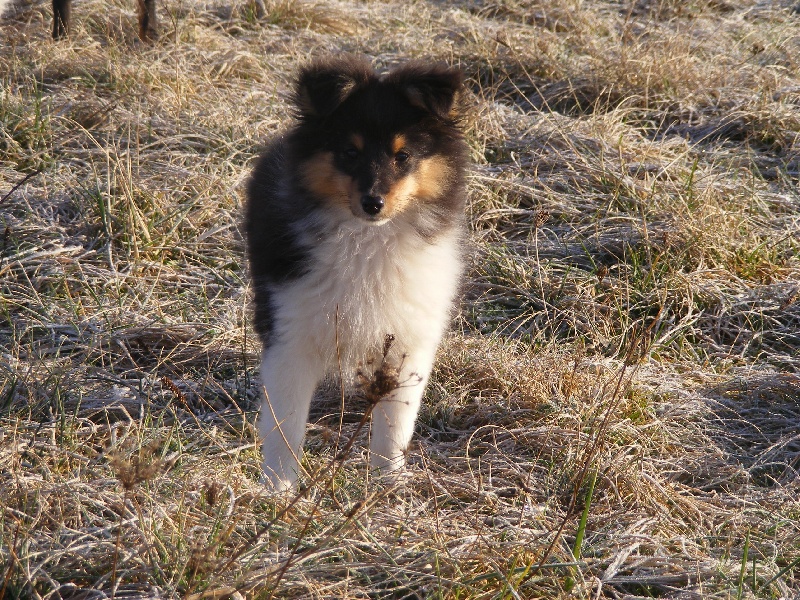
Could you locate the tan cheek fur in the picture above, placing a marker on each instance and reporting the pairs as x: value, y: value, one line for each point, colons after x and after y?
x: 424, y: 184
x: 326, y: 182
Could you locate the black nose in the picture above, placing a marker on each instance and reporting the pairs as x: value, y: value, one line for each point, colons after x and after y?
x: 372, y: 205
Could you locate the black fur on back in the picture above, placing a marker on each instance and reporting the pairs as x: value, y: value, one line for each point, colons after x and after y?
x: 274, y: 253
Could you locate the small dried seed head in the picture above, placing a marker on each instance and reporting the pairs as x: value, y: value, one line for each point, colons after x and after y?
x: 138, y: 468
x: 540, y: 218
x: 211, y: 490
x: 135, y: 470
x: 383, y: 380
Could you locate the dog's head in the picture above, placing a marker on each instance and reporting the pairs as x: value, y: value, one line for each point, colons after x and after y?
x: 379, y: 145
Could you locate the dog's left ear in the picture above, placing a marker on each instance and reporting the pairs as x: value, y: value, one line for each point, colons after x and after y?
x: 431, y: 87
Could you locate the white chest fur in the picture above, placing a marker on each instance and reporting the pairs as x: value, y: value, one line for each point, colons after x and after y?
x: 365, y: 282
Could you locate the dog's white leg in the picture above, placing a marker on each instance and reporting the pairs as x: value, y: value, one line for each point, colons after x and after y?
x: 393, y: 417
x: 289, y: 379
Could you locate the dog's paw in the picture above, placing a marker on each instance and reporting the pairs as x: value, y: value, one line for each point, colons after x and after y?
x: 278, y: 484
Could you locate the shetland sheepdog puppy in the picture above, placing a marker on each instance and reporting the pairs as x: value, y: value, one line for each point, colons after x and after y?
x: 354, y: 223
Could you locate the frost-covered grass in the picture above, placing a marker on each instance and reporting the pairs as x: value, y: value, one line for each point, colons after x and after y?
x: 616, y: 412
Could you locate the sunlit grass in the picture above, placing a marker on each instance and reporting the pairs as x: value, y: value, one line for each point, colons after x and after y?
x: 614, y: 413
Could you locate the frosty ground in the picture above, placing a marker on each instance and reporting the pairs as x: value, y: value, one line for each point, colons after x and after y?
x: 615, y: 412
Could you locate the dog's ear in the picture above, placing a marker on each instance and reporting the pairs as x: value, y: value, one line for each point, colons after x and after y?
x: 431, y: 87
x: 324, y: 84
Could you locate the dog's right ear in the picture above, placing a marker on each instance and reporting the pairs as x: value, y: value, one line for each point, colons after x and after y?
x: 324, y: 84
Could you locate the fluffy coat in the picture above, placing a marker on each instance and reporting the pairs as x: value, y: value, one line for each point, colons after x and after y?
x: 354, y: 225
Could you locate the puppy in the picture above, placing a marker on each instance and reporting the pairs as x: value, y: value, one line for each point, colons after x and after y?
x: 354, y: 223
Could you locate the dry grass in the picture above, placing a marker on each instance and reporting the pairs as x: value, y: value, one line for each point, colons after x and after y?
x: 616, y: 412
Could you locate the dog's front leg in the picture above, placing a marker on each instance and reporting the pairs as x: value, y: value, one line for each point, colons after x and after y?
x: 289, y: 378
x: 394, y: 416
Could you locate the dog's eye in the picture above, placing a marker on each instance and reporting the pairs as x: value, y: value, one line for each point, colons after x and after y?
x: 402, y: 156
x: 351, y: 153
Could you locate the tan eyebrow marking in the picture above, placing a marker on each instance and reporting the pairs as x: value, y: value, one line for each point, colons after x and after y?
x: 398, y: 143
